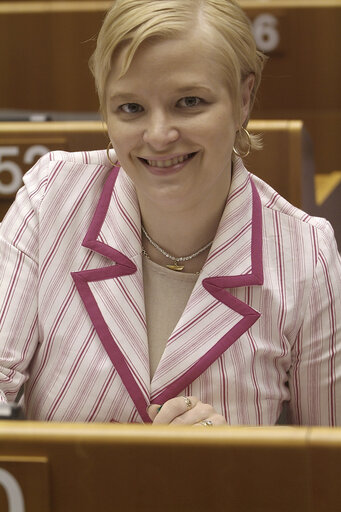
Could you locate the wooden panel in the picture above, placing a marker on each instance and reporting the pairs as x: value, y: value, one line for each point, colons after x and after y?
x: 56, y: 39
x: 21, y: 144
x: 280, y: 162
x: 303, y: 45
x: 325, y: 483
x: 94, y: 467
x: 301, y: 79
x: 147, y: 468
x: 45, y: 65
x: 24, y: 484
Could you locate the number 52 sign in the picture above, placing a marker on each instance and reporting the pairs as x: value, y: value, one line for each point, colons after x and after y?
x: 14, y: 161
x: 24, y: 484
x: 15, y: 498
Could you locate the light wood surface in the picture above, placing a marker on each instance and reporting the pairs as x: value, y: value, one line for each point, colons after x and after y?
x: 132, y: 468
x: 18, y: 7
x: 280, y: 162
x: 102, y: 5
x: 325, y: 184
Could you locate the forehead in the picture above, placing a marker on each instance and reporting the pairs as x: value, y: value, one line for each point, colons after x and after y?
x: 173, y: 62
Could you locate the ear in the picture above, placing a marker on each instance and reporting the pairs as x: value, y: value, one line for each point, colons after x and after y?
x: 246, y: 90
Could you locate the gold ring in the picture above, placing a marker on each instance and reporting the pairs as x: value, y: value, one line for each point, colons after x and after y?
x: 188, y: 402
x: 206, y: 423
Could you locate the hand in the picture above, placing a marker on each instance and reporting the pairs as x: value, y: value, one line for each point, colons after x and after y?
x: 185, y: 411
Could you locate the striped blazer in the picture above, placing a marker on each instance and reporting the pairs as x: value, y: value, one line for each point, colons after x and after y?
x: 262, y: 326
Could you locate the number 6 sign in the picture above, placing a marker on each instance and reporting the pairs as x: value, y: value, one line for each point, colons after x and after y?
x: 265, y: 32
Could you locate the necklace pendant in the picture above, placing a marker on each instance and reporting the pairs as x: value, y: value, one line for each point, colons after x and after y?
x: 176, y: 267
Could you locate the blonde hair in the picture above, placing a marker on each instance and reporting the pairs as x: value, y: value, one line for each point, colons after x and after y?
x: 129, y: 23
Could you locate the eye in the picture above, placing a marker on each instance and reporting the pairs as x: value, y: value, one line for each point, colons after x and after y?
x: 131, y: 108
x: 190, y: 101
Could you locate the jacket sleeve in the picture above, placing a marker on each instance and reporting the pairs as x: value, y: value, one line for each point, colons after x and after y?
x: 315, y: 376
x: 19, y: 254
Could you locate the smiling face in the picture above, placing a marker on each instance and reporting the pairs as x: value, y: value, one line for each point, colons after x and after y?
x: 171, y: 121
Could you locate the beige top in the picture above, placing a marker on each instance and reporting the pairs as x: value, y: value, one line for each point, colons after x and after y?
x: 166, y: 294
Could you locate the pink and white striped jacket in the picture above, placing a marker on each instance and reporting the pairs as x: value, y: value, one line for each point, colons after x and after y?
x: 262, y: 326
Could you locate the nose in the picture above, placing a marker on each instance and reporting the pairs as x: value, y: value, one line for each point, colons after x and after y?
x: 160, y: 131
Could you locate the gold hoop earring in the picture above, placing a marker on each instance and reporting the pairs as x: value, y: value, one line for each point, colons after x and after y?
x: 247, y: 152
x: 108, y: 154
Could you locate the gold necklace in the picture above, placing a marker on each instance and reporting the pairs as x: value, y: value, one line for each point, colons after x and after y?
x: 144, y: 252
x: 175, y: 266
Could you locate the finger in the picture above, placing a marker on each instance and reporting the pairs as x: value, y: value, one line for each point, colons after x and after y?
x: 175, y: 407
x: 204, y: 423
x: 198, y: 413
x: 211, y: 421
x: 153, y: 410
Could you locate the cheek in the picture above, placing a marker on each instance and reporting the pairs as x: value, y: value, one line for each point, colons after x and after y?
x: 118, y: 145
x: 220, y: 142
x: 120, y: 140
x: 123, y: 137
x: 218, y: 128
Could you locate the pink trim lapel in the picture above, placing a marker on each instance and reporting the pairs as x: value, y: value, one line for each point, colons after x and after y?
x: 124, y: 267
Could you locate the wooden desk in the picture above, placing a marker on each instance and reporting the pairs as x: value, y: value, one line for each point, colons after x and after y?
x: 283, y: 157
x: 21, y: 144
x: 130, y: 468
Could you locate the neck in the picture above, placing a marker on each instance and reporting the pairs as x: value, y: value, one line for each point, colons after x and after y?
x: 181, y: 233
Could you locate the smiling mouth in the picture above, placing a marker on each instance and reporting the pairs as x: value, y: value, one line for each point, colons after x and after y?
x: 168, y: 163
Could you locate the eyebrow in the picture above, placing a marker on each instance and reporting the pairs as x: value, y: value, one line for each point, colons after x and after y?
x: 122, y: 96
x: 126, y: 96
x: 191, y: 87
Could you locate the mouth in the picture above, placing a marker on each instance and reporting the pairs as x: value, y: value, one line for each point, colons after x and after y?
x: 171, y: 162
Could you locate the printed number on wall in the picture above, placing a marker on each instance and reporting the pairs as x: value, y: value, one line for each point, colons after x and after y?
x: 7, y: 165
x: 265, y: 32
x: 13, y: 492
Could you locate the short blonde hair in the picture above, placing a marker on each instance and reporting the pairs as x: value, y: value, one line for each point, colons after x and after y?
x: 129, y: 23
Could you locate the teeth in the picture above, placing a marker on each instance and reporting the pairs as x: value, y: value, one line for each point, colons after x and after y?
x: 167, y: 163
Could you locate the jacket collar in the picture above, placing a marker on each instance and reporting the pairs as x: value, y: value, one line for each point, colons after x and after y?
x: 213, y: 318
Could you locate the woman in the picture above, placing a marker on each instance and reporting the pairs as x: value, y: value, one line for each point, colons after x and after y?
x: 160, y: 281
